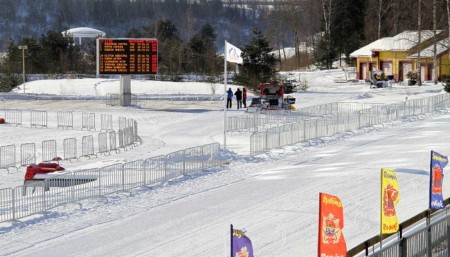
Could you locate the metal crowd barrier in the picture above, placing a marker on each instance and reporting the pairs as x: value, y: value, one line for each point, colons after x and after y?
x: 33, y: 198
x: 87, y: 146
x: 286, y: 133
x: 7, y: 157
x: 13, y: 116
x: 49, y: 151
x: 27, y: 154
x: 65, y: 120
x: 38, y: 118
x: 103, y: 143
x: 70, y: 148
x: 88, y: 121
x: 106, y: 122
x: 425, y: 234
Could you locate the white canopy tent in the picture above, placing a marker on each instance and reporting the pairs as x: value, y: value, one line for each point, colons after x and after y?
x: 84, y: 32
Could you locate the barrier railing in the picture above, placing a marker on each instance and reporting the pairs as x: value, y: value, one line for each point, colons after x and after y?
x: 103, y: 143
x: 13, y: 116
x: 38, y: 197
x: 87, y: 146
x: 106, y: 122
x: 27, y: 155
x: 70, y: 148
x: 287, y: 134
x: 65, y: 120
x: 49, y: 151
x: 38, y: 118
x: 7, y: 157
x: 425, y: 234
x: 88, y: 121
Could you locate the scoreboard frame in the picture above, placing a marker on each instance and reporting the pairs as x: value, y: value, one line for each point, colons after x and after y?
x: 127, y: 56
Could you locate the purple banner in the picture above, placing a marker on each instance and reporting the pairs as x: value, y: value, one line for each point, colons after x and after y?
x: 437, y: 164
x: 241, y: 245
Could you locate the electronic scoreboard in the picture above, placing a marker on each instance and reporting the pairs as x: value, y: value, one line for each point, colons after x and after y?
x: 127, y: 56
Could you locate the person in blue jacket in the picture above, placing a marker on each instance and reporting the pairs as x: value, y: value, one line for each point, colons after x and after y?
x: 229, y: 97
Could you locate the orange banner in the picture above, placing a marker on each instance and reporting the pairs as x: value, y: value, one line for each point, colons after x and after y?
x: 331, y: 223
x: 390, y: 196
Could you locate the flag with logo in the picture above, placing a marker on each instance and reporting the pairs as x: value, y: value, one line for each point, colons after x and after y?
x: 390, y: 196
x: 437, y: 164
x: 331, y: 222
x: 233, y: 54
x: 241, y: 246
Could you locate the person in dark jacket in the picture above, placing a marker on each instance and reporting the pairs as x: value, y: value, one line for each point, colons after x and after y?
x: 238, y: 95
x: 244, y: 97
x: 229, y: 97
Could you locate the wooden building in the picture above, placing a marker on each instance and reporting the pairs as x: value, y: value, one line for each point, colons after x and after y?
x: 398, y: 55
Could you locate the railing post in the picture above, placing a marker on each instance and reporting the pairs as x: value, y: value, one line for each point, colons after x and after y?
x: 429, y: 243
x: 448, y: 233
x: 13, y: 202
x: 123, y: 177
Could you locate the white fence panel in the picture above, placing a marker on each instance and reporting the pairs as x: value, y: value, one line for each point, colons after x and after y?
x: 27, y: 154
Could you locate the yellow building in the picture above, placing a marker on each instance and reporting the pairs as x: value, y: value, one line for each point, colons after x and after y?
x: 397, y: 55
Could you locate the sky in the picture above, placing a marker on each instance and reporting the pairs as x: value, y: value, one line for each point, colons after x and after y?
x: 273, y: 197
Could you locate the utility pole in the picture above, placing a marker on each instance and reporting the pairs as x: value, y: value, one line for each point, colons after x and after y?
x: 23, y: 48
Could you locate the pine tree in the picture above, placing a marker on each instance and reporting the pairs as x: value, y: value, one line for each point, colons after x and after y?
x: 347, y: 26
x: 259, y: 64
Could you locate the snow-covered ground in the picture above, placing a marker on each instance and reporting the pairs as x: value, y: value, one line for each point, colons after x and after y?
x: 274, y: 197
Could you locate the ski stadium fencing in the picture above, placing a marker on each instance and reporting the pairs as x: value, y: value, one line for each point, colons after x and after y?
x: 275, y: 131
x: 426, y: 234
x: 48, y: 151
x: 37, y: 197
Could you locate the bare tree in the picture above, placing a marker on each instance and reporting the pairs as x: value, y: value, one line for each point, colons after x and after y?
x: 419, y: 25
x: 327, y: 10
x: 434, y: 44
x: 383, y: 7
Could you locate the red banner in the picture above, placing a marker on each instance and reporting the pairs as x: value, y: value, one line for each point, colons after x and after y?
x: 331, y: 222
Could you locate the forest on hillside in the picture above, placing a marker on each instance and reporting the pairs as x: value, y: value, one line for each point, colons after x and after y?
x: 191, y: 33
x: 284, y: 22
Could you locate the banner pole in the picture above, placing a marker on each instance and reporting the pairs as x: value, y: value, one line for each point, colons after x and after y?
x: 231, y: 240
x: 381, y: 209
x: 320, y: 225
x: 225, y: 98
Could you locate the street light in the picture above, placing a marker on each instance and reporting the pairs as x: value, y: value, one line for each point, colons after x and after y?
x: 23, y: 48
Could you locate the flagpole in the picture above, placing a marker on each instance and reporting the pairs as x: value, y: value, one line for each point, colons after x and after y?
x: 431, y: 180
x: 381, y: 209
x: 231, y: 240
x: 225, y: 98
x: 320, y: 224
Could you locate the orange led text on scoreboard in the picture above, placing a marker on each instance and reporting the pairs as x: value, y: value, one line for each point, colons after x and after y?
x: 133, y: 56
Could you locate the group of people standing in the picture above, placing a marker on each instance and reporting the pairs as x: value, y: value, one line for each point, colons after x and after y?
x: 241, y: 98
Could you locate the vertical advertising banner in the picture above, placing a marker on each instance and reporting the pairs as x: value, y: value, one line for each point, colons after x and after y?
x: 241, y: 246
x: 331, y: 222
x: 437, y: 164
x: 390, y: 196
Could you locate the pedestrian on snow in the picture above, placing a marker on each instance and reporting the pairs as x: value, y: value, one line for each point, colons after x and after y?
x: 229, y: 97
x: 238, y: 95
x: 244, y: 97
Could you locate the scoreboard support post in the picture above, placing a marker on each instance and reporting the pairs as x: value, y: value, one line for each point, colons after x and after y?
x: 126, y: 57
x: 125, y: 90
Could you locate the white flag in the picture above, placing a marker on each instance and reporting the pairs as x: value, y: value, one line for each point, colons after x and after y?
x: 233, y: 53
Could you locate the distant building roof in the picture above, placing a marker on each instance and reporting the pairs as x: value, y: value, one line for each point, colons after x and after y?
x: 441, y: 47
x: 401, y: 42
x: 366, y: 51
x: 84, y: 32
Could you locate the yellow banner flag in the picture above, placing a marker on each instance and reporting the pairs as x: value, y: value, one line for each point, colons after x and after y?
x: 390, y: 196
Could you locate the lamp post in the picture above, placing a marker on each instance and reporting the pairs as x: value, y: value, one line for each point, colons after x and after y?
x: 23, y: 48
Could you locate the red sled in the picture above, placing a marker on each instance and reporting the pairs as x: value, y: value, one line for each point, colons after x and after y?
x: 53, y: 175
